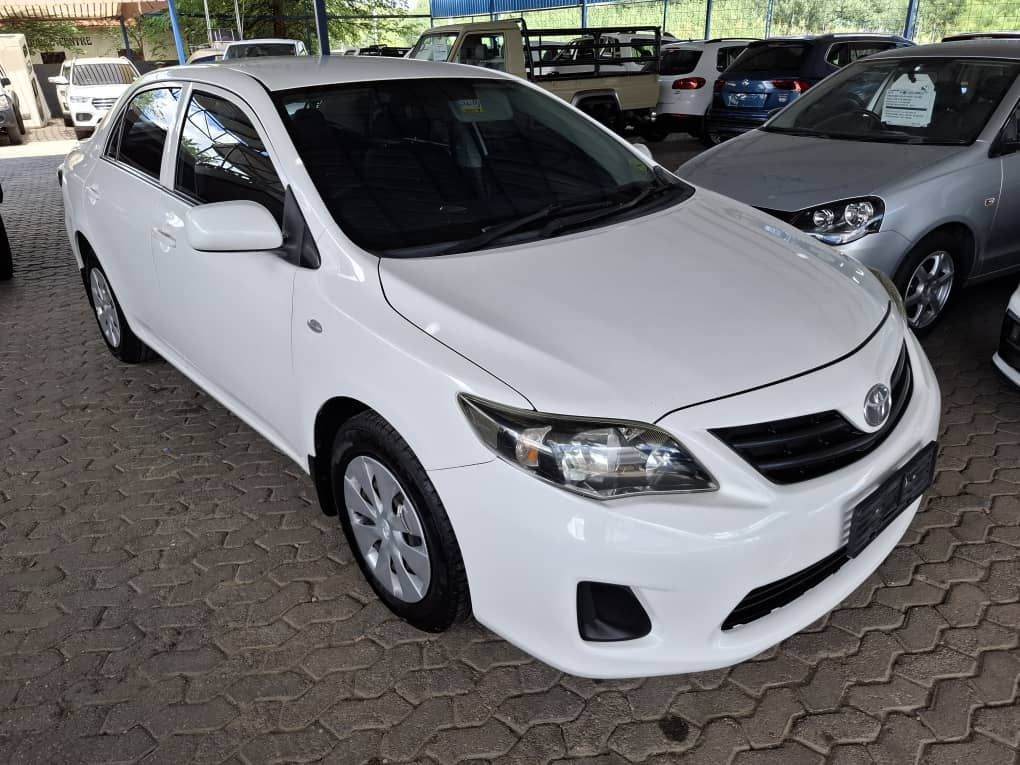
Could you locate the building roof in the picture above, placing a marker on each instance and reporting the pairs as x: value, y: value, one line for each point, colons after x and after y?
x: 76, y: 10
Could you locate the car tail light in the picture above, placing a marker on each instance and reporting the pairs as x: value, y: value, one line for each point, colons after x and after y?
x: 798, y: 86
x: 689, y: 83
x: 717, y: 88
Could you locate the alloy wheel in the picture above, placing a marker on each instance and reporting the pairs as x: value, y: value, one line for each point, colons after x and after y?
x: 387, y: 528
x: 106, y: 308
x: 929, y: 288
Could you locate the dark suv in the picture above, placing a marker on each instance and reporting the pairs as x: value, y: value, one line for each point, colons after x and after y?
x: 771, y: 73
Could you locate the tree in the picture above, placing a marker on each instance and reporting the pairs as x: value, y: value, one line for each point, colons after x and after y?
x: 44, y: 35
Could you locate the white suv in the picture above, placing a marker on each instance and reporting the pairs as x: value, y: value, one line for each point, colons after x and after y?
x: 93, y: 87
x: 687, y: 73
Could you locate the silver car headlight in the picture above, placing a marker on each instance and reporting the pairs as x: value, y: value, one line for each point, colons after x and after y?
x: 894, y: 294
x: 602, y: 459
x: 80, y: 99
x: 842, y: 222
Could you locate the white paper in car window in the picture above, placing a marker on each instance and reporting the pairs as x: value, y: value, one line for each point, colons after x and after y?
x: 909, y: 102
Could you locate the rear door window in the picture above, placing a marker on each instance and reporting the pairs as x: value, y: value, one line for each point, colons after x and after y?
x: 842, y: 54
x: 726, y: 56
x: 778, y: 58
x: 142, y: 130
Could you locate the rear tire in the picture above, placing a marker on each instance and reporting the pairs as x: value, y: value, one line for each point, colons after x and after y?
x: 82, y: 133
x: 656, y: 133
x: 122, y: 342
x: 68, y: 122
x: 404, y: 542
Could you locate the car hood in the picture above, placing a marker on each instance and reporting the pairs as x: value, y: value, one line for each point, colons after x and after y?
x: 704, y: 299
x: 97, y: 91
x: 790, y: 173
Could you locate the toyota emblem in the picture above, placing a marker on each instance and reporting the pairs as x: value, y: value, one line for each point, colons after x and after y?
x: 877, y: 404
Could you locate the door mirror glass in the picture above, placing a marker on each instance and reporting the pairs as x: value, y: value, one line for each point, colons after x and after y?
x: 58, y: 79
x: 236, y: 226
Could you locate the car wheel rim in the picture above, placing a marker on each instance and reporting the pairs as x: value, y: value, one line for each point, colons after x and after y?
x: 106, y: 309
x: 929, y: 288
x: 387, y: 529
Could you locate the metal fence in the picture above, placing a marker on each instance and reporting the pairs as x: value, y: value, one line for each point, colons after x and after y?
x: 921, y: 20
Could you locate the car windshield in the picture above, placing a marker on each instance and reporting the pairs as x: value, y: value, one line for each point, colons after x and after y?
x: 260, y: 49
x: 418, y: 167
x: 102, y: 74
x: 433, y: 47
x: 910, y: 100
x: 778, y: 58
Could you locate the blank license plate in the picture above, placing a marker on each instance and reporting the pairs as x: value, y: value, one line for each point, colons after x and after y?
x: 872, y: 516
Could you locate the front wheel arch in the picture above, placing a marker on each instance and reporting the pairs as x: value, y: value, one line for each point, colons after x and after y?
x: 328, y: 420
x: 964, y: 237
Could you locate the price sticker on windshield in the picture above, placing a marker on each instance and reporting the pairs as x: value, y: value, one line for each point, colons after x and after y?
x: 909, y: 101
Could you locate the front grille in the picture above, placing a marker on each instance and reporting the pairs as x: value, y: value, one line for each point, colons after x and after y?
x: 1009, y: 344
x: 103, y: 103
x: 813, y: 445
x: 763, y: 600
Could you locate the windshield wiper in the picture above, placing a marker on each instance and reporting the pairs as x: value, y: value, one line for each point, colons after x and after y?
x: 798, y: 131
x: 494, y: 233
x: 653, y: 189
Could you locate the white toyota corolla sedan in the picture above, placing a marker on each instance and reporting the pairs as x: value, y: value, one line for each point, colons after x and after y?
x: 635, y: 427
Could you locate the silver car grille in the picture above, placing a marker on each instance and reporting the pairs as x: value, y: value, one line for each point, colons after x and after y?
x: 103, y: 103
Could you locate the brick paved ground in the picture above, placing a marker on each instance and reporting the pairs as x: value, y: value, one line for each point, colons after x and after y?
x: 169, y: 591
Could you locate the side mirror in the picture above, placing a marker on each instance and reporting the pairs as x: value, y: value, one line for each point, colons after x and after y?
x: 58, y: 79
x: 1008, y: 141
x: 644, y: 151
x: 237, y: 226
x: 5, y: 82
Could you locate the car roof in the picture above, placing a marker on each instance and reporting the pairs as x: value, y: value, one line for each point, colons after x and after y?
x: 834, y: 36
x: 263, y: 40
x: 986, y: 48
x: 288, y: 72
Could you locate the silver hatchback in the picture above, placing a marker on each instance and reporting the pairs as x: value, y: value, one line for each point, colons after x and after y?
x: 908, y: 160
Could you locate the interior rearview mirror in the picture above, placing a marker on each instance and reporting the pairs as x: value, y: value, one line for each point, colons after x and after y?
x: 644, y: 151
x: 236, y: 226
x: 58, y: 79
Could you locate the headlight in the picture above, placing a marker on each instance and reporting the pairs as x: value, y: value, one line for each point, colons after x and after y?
x: 80, y: 99
x: 894, y: 294
x: 841, y: 222
x: 602, y: 459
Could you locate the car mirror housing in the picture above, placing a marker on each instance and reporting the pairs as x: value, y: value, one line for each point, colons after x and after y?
x: 5, y: 81
x: 58, y: 79
x: 643, y: 150
x: 235, y: 226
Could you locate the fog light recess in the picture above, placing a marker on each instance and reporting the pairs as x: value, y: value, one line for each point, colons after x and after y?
x: 609, y: 613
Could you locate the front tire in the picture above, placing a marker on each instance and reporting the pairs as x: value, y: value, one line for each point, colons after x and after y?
x: 68, y: 122
x: 122, y: 342
x: 82, y: 133
x: 15, y: 135
x: 927, y: 278
x: 396, y: 525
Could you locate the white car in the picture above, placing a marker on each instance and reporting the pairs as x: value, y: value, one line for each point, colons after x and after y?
x: 1007, y: 358
x: 60, y: 81
x: 269, y: 46
x: 408, y: 277
x: 687, y: 75
x: 93, y: 86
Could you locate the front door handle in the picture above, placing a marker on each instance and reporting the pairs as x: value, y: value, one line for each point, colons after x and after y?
x: 93, y: 192
x: 166, y: 240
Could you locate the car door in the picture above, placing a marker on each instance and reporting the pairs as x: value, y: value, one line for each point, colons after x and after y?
x: 121, y: 194
x: 1002, y: 250
x: 227, y: 315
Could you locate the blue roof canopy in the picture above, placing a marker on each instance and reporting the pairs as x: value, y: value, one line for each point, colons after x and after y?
x: 448, y: 8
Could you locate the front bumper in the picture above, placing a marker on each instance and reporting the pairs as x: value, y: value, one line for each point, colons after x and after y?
x: 1007, y: 358
x: 87, y: 116
x: 689, y: 559
x: 882, y: 250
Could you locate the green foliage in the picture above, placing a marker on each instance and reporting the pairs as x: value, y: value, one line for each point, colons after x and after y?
x: 44, y: 35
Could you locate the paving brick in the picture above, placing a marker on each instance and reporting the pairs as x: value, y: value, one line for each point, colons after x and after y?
x: 489, y: 740
x: 847, y: 726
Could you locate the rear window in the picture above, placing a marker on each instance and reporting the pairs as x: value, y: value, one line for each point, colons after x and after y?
x: 679, y: 61
x: 787, y: 58
x: 260, y: 49
x: 103, y: 74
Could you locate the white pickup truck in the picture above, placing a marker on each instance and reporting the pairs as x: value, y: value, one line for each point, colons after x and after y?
x: 618, y: 90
